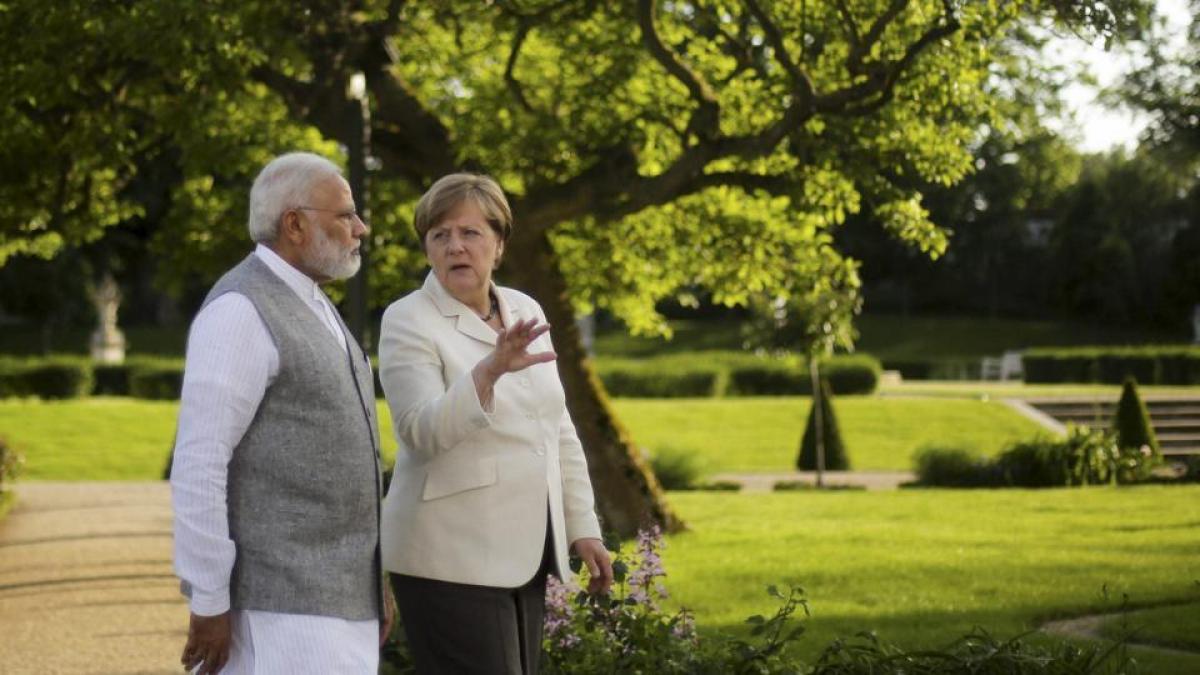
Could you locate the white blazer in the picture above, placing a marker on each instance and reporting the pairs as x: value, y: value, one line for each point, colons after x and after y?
x: 468, y: 498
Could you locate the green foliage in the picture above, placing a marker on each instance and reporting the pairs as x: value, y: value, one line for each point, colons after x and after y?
x: 10, y: 467
x: 953, y: 467
x: 976, y: 652
x: 653, y: 380
x: 1112, y: 365
x: 159, y: 381
x: 1131, y: 423
x: 48, y: 378
x: 1084, y: 457
x: 676, y: 469
x: 835, y: 456
x: 699, y: 374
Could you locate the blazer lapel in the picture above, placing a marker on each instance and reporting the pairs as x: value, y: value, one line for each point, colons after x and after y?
x: 466, y: 321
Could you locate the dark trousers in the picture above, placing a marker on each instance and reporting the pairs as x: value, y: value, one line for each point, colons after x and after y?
x: 461, y: 628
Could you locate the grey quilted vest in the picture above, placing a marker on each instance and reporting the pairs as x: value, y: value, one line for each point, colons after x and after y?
x: 304, y: 482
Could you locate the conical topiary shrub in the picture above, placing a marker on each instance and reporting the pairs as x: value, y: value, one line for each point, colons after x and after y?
x: 835, y: 452
x: 1132, y: 421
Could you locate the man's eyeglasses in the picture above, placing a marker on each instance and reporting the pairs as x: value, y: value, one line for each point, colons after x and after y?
x: 348, y: 216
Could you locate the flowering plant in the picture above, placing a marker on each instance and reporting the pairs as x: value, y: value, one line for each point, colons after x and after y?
x: 629, y: 631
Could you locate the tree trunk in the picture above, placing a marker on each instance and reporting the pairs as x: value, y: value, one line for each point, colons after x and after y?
x: 627, y: 493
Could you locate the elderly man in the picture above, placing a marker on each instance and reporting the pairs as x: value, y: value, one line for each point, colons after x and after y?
x: 275, y: 481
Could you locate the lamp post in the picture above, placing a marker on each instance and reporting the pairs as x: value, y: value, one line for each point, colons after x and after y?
x: 358, y: 149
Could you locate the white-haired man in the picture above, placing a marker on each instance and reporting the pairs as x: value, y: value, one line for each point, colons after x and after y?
x: 275, y: 480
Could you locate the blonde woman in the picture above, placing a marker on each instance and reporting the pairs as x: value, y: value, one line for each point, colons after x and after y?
x: 491, y: 484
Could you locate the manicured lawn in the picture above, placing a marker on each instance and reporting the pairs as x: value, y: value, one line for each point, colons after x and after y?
x: 921, y: 567
x: 127, y: 439
x: 104, y: 438
x: 763, y: 434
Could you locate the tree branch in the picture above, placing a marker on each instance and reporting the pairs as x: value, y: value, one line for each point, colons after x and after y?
x: 513, y: 85
x: 704, y: 121
x: 800, y: 80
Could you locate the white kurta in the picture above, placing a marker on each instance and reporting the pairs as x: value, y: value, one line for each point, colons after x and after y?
x: 231, y: 360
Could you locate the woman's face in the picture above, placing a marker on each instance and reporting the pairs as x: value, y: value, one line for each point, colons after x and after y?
x: 463, y: 250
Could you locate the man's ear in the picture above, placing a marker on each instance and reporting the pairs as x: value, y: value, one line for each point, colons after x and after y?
x: 291, y: 228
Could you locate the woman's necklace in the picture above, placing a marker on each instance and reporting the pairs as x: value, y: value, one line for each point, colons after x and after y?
x: 495, y: 309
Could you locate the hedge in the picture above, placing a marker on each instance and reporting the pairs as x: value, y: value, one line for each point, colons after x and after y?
x: 61, y: 377
x: 56, y: 377
x: 716, y: 374
x: 163, y: 381
x: 1111, y: 365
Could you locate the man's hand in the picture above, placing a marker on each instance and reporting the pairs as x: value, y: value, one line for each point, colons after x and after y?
x: 207, y: 643
x: 599, y: 565
x: 389, y: 613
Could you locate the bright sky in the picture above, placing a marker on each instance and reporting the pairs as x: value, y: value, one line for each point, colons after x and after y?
x: 1095, y: 127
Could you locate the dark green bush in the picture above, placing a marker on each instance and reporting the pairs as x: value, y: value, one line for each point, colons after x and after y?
x: 836, y: 458
x: 1132, y: 421
x: 769, y: 379
x: 56, y: 377
x: 676, y: 469
x: 160, y: 381
x: 111, y: 379
x: 953, y: 467
x: 655, y: 383
x: 1149, y: 365
x: 1115, y: 368
x: 851, y: 374
x: 1084, y: 457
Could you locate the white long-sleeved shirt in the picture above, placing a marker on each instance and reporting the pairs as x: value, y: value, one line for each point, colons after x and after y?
x: 231, y: 360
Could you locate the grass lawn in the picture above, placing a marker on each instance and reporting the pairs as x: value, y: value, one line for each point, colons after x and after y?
x: 922, y: 567
x: 105, y: 438
x: 66, y: 440
x: 763, y: 434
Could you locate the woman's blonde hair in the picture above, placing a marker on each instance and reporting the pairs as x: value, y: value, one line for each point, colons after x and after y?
x: 450, y: 191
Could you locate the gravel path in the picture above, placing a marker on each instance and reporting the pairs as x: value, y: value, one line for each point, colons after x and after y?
x: 1088, y: 628
x: 85, y: 581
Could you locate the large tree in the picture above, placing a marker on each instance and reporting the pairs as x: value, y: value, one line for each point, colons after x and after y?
x: 646, y: 146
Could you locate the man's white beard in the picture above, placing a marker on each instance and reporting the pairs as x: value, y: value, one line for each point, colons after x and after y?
x: 327, y: 259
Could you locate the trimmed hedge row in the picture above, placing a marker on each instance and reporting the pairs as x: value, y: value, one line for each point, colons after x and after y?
x: 62, y: 377
x: 1111, y: 365
x: 717, y: 374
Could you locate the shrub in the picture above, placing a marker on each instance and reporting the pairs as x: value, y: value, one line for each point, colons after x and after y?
x: 654, y: 383
x: 57, y: 377
x: 1084, y: 457
x: 1132, y: 421
x: 715, y: 373
x: 953, y: 467
x: 831, y: 436
x: 161, y: 381
x: 111, y: 379
x: 853, y: 374
x: 676, y: 469
x: 10, y: 465
x: 1149, y: 365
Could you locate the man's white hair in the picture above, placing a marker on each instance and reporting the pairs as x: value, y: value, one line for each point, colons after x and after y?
x: 284, y: 184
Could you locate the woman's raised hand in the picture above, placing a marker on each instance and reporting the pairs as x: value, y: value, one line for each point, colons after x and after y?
x: 511, y: 353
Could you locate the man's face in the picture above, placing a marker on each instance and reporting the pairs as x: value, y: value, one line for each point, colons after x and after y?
x: 332, y: 252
